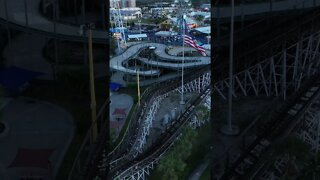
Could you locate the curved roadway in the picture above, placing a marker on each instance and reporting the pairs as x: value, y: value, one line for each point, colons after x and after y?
x: 171, y: 62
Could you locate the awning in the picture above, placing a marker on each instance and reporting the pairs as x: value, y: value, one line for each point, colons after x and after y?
x: 114, y: 86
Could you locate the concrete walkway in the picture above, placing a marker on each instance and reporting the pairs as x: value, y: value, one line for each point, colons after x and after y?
x: 119, y: 101
x: 116, y: 62
x: 34, y: 125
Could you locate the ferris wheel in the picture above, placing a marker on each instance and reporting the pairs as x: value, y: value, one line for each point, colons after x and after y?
x: 118, y: 25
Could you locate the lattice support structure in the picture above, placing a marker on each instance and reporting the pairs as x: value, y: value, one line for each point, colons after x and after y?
x: 310, y: 133
x: 278, y: 74
x: 119, y: 23
x: 276, y: 171
x: 195, y: 122
x: 197, y: 85
x: 139, y: 173
x: 147, y: 124
x: 275, y: 76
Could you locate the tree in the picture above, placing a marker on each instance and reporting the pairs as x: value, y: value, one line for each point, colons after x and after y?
x: 174, y: 162
x: 199, y: 18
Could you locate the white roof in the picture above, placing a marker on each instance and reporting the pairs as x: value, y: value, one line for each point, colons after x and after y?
x: 131, y: 36
x: 206, y: 30
x: 165, y: 33
x: 188, y: 20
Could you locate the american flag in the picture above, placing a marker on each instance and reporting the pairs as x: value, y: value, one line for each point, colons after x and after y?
x: 191, y: 42
x: 188, y: 40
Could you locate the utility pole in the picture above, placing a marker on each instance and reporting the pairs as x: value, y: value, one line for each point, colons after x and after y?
x: 92, y: 89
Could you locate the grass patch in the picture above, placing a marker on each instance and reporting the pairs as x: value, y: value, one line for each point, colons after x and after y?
x: 200, y: 148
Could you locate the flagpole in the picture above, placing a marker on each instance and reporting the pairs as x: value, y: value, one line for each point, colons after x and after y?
x: 183, y: 36
x: 230, y: 129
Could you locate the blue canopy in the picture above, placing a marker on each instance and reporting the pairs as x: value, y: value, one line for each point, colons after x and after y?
x: 114, y: 86
x: 113, y: 30
x: 13, y: 78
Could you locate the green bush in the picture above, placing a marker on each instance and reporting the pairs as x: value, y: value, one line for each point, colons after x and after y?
x: 173, y: 164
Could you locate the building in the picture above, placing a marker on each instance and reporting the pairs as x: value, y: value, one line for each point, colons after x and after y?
x: 165, y: 10
x: 127, y: 13
x: 205, y: 7
x: 124, y: 3
x: 190, y: 22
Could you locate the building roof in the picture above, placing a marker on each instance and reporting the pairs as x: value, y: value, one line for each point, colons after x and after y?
x: 132, y: 36
x: 202, y: 13
x: 205, y: 30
